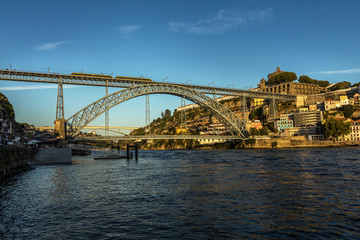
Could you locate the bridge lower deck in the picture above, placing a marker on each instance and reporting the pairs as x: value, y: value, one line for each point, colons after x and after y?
x: 162, y: 137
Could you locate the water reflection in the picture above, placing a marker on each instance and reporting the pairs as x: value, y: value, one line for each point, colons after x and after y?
x: 278, y: 194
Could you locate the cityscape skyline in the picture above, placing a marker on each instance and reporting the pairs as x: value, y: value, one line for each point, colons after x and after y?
x: 220, y: 43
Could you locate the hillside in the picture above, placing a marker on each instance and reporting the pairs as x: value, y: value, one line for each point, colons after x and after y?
x: 7, y: 118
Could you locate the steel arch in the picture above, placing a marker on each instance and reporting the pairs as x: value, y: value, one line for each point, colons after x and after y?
x: 82, y: 118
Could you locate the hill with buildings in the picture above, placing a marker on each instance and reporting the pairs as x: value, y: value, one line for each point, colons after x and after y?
x: 320, y: 111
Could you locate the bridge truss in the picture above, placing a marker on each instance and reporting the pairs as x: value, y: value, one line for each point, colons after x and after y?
x: 82, y: 118
x: 12, y: 75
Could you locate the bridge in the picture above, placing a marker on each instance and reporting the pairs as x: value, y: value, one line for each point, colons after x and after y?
x: 111, y: 128
x: 159, y: 137
x: 135, y: 87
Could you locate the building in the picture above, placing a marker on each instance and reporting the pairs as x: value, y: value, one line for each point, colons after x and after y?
x: 256, y: 124
x: 276, y: 72
x: 354, y: 131
x: 311, y: 118
x: 344, y: 100
x: 284, y: 123
x: 331, y: 104
x: 313, y: 131
x: 257, y: 102
x: 294, y: 88
x: 312, y: 107
x: 357, y: 99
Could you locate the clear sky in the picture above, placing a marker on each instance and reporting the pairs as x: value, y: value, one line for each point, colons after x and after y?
x: 212, y: 42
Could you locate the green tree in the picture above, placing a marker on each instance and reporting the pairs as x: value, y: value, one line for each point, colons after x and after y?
x: 340, y: 85
x: 306, y: 79
x: 264, y: 131
x: 252, y: 115
x: 166, y: 115
x: 282, y: 77
x: 254, y: 131
x: 348, y: 110
x: 334, y: 128
x: 271, y: 127
x: 356, y: 84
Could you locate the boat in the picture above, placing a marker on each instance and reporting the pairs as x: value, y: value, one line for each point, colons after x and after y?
x: 80, y: 152
x: 109, y: 157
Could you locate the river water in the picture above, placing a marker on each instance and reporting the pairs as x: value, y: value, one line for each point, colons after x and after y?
x: 199, y: 194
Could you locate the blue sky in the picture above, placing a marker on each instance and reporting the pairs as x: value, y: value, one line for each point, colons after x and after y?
x: 216, y: 42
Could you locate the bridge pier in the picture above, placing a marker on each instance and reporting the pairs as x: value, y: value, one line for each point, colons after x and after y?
x: 60, y: 127
x: 128, y: 148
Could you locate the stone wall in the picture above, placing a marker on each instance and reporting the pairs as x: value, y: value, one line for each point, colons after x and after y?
x: 14, y: 160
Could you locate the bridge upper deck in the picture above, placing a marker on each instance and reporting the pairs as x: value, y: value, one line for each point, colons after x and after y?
x: 126, y: 82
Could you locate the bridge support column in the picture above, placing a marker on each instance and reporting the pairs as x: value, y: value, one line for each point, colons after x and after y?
x: 147, y: 115
x: 272, y: 109
x: 107, y: 112
x: 60, y: 127
x: 128, y: 149
x: 60, y: 122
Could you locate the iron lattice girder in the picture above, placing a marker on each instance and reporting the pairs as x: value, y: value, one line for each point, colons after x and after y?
x: 82, y: 118
x: 11, y: 75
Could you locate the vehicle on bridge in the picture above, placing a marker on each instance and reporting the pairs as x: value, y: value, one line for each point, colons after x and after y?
x: 133, y: 79
x: 90, y: 75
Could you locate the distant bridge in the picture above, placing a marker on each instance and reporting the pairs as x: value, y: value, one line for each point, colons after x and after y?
x: 92, y: 127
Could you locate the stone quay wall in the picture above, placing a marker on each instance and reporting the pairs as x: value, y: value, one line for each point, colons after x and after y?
x: 14, y: 160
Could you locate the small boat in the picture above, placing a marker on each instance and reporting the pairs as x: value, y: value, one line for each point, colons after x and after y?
x: 111, y: 156
x: 80, y: 152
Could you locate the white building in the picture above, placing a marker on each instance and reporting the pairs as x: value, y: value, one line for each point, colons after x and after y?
x: 354, y: 131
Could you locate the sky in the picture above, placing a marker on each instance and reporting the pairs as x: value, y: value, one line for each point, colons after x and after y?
x: 224, y: 43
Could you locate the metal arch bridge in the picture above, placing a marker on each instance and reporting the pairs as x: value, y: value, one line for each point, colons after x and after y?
x: 82, y: 118
x: 136, y: 87
x: 125, y: 82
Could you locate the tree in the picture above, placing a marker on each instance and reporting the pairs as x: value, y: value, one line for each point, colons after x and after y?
x: 167, y: 113
x: 252, y: 115
x: 335, y: 128
x: 271, y: 127
x: 306, y: 79
x: 340, y: 85
x: 356, y: 84
x: 254, y: 131
x: 282, y: 77
x: 348, y: 110
x: 264, y: 131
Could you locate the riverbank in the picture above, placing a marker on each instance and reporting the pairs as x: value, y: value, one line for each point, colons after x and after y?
x: 295, y: 143
x: 14, y: 160
x: 247, y: 144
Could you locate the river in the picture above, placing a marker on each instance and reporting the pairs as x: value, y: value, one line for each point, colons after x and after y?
x: 199, y: 194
